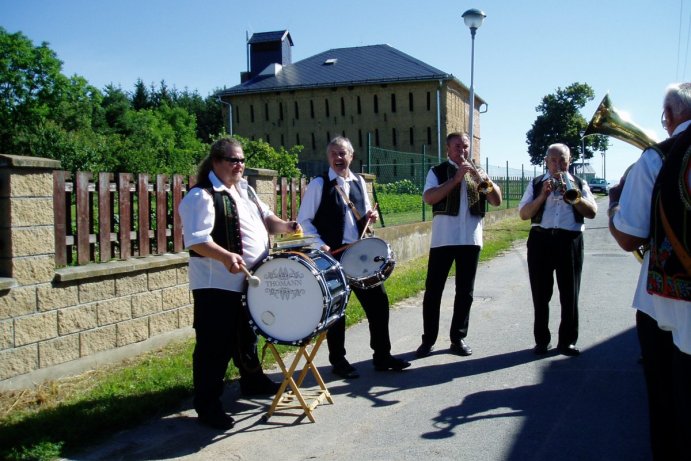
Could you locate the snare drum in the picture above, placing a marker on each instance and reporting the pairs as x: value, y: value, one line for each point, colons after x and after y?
x: 299, y: 296
x: 368, y: 262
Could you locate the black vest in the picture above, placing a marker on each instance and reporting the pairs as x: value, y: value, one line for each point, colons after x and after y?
x: 226, y: 230
x: 667, y: 276
x: 451, y: 204
x: 537, y: 188
x: 330, y: 216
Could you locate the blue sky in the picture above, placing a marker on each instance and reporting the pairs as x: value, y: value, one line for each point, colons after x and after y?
x: 524, y: 50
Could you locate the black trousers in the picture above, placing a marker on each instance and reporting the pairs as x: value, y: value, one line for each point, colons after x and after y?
x: 375, y: 303
x: 438, y: 267
x: 222, y: 332
x: 559, y: 251
x: 668, y: 380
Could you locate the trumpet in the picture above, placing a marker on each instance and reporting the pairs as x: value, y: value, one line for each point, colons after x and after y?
x: 482, y: 181
x: 561, y: 183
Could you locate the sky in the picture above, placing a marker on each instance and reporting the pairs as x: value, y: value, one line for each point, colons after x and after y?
x: 524, y: 50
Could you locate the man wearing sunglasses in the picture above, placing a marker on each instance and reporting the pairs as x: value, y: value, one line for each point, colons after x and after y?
x: 226, y: 227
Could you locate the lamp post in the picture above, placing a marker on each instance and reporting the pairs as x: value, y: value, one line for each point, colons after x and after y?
x: 582, y: 154
x: 473, y: 19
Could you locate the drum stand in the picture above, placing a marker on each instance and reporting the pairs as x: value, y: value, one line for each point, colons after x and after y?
x: 290, y: 388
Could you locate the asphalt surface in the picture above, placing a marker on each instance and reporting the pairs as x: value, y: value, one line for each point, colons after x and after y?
x: 501, y: 403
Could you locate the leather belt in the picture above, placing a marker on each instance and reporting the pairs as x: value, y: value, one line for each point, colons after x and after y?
x: 555, y: 231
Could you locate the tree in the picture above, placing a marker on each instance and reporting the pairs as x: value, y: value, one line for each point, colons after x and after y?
x: 560, y: 121
x: 260, y: 154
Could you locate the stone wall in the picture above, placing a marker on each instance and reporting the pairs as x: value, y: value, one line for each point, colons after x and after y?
x: 58, y: 319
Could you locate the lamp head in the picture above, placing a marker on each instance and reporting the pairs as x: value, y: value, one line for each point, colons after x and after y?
x: 473, y: 18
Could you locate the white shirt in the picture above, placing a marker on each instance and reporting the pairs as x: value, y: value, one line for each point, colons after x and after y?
x: 197, y: 213
x: 557, y: 213
x: 633, y: 218
x: 463, y: 229
x: 313, y: 197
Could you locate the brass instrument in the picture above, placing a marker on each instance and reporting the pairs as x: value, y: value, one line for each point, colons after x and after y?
x: 484, y: 184
x: 561, y: 182
x: 608, y: 121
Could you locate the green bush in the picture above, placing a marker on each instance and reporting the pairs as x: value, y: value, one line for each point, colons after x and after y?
x: 404, y: 186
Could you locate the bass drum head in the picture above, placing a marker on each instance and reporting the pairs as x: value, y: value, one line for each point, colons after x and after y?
x: 288, y: 304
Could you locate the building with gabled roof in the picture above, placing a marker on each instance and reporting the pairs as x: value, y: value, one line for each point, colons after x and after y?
x: 375, y: 91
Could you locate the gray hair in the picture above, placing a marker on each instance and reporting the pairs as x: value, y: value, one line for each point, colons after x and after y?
x: 559, y: 148
x: 341, y: 141
x: 678, y: 100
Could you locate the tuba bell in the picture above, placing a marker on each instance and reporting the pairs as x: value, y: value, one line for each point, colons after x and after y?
x: 608, y: 121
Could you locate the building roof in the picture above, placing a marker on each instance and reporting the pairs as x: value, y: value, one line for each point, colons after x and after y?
x: 342, y: 67
x: 275, y: 36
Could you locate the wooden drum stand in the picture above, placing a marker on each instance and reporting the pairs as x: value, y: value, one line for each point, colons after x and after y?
x: 289, y: 391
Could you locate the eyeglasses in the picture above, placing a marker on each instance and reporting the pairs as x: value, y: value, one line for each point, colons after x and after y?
x: 234, y: 160
x: 663, y: 120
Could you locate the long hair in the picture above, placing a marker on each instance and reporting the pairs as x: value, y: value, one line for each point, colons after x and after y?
x: 218, y: 150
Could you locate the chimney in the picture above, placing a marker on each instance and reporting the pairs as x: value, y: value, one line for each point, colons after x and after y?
x: 266, y: 49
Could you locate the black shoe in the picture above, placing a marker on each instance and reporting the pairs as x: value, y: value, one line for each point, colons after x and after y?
x: 259, y: 385
x: 390, y: 363
x: 345, y: 370
x: 541, y: 349
x: 216, y: 420
x: 570, y: 350
x: 461, y: 348
x: 424, y: 350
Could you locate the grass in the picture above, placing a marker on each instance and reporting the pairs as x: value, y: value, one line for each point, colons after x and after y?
x: 61, y: 417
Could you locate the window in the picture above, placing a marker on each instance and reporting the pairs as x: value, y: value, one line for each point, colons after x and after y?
x: 314, y: 142
x: 297, y: 111
x: 359, y: 106
x: 282, y: 141
x: 326, y: 107
x: 311, y: 109
x: 376, y: 137
x: 268, y: 138
x: 393, y: 102
x: 342, y: 107
x: 297, y: 139
x: 429, y: 136
x: 359, y: 137
x: 266, y: 111
x: 412, y: 136
x: 252, y: 113
x: 237, y: 114
x: 280, y: 111
x: 376, y: 104
x: 393, y: 136
x: 328, y: 137
x: 410, y: 101
x: 429, y: 101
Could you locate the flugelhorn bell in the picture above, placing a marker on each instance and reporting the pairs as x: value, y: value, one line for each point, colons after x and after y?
x: 608, y: 121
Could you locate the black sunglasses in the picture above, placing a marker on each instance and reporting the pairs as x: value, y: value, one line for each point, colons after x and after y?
x: 233, y: 159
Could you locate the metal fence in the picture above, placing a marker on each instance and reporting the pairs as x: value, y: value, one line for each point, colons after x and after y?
x: 397, y: 168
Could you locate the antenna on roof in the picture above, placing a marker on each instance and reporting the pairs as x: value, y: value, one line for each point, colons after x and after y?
x: 247, y: 48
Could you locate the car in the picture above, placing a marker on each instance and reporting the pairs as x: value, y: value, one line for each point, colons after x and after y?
x: 599, y: 186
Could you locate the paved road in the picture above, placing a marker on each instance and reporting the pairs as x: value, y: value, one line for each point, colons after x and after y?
x: 502, y: 403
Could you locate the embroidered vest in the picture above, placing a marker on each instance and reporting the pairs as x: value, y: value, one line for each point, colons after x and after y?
x: 226, y: 230
x: 330, y: 216
x: 667, y: 275
x: 537, y: 188
x: 451, y: 204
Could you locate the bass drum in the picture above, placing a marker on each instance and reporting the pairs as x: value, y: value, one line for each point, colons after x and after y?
x: 300, y: 295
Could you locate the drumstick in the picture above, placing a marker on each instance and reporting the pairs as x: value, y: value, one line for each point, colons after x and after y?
x: 343, y: 248
x: 253, y: 280
x: 376, y: 205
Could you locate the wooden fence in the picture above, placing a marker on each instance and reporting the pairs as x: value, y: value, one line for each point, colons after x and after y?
x: 120, y: 216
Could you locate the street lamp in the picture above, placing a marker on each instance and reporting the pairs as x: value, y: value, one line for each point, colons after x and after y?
x: 473, y: 19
